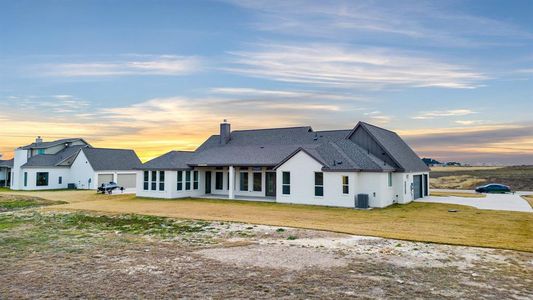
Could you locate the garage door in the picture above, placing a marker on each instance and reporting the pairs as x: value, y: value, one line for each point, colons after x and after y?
x: 127, y: 180
x: 104, y: 178
x: 417, y: 182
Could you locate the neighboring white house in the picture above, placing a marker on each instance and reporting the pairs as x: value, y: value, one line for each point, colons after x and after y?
x: 72, y: 163
x: 5, y: 172
x: 292, y: 165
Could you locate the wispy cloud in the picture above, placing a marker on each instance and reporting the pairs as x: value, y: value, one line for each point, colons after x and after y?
x: 510, y: 143
x: 378, y: 117
x: 51, y: 106
x: 417, y: 21
x: 286, y: 94
x: 443, y: 113
x: 160, y: 65
x: 336, y: 66
x: 469, y: 122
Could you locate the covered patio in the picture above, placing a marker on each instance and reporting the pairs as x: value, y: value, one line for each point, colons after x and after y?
x: 253, y: 183
x: 5, y: 172
x: 240, y: 198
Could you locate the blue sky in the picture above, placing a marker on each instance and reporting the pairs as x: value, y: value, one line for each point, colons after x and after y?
x: 452, y: 77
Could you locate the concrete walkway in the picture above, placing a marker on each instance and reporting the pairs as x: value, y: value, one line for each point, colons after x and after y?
x: 511, y: 202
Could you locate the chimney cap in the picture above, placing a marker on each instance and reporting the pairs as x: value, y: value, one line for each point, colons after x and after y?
x: 225, y: 121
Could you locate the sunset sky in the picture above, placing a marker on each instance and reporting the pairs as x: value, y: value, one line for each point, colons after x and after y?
x: 454, y: 78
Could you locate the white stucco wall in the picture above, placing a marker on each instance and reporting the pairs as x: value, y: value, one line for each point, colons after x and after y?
x: 53, y: 178
x: 376, y: 184
x: 20, y: 158
x: 82, y: 174
x: 302, y: 168
x: 171, y: 185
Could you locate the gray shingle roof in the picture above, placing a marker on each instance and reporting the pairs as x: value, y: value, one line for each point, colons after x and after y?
x: 270, y: 147
x: 173, y: 160
x: 395, y: 146
x: 45, y: 145
x: 102, y: 159
x: 6, y: 163
x: 52, y: 160
x: 252, y: 155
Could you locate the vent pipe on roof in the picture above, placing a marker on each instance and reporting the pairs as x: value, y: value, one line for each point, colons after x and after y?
x: 38, y: 140
x: 225, y: 132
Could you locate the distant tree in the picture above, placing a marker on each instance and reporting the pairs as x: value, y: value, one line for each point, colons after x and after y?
x: 430, y: 161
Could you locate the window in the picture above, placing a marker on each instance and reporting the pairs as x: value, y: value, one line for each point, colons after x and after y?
x: 390, y: 179
x: 187, y: 180
x: 146, y: 180
x: 180, y: 180
x: 258, y: 184
x: 40, y: 151
x: 42, y: 179
x: 219, y: 178
x: 319, y: 184
x: 345, y: 185
x: 25, y: 178
x: 244, y: 181
x: 60, y: 180
x: 161, y: 180
x: 195, y: 180
x: 286, y: 184
x: 154, y: 180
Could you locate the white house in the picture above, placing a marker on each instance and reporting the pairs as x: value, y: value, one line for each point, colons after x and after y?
x: 72, y: 163
x: 292, y: 165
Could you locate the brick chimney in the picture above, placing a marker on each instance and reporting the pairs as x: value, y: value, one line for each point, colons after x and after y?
x: 225, y: 132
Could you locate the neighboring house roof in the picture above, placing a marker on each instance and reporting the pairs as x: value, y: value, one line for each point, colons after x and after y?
x: 102, y: 159
x: 272, y: 147
x: 397, y: 149
x: 45, y: 145
x: 173, y: 160
x: 53, y: 160
x: 6, y: 163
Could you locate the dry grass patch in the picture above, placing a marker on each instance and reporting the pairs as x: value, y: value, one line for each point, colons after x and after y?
x: 450, y: 169
x: 428, y: 222
x: 456, y: 194
x: 519, y: 178
x: 69, y: 196
x: 459, y: 182
x: 16, y: 202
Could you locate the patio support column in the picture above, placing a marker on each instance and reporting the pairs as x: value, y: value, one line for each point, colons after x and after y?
x: 231, y: 192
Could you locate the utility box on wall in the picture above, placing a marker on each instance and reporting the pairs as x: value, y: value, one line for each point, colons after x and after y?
x: 361, y: 201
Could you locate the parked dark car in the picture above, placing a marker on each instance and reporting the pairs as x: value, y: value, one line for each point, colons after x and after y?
x: 493, y: 188
x: 109, y: 188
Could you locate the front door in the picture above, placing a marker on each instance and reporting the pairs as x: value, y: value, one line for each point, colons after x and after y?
x: 426, y: 185
x: 417, y: 182
x: 208, y: 182
x: 270, y: 184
